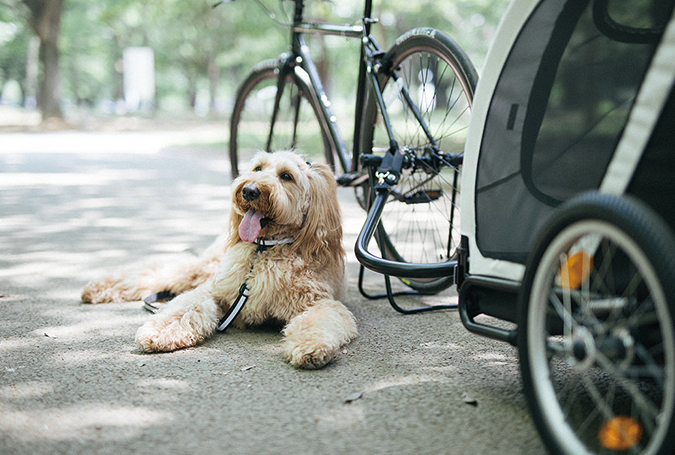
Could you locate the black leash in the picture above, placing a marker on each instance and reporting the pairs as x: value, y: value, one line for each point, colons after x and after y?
x: 149, y: 301
x: 235, y: 308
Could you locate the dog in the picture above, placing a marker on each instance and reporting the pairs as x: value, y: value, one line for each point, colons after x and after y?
x: 283, y: 255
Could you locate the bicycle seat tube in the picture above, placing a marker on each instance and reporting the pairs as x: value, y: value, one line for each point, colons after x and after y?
x: 300, y: 56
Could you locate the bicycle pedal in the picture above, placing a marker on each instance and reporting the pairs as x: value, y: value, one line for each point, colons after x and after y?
x: 351, y: 179
x: 423, y: 196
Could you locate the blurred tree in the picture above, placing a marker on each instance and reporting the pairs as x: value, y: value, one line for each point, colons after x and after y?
x: 194, y: 48
x: 95, y: 35
x: 44, y: 17
x: 15, y: 36
x: 201, y: 53
x: 89, y: 54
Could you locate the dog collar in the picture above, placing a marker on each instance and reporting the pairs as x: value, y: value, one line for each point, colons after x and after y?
x: 264, y: 244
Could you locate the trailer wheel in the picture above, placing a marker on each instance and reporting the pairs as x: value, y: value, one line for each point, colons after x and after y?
x: 596, y: 337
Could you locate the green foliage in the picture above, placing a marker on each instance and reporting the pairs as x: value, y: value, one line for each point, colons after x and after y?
x: 200, y: 49
x: 14, y: 37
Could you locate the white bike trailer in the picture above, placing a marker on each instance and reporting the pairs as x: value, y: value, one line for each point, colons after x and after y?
x: 568, y: 218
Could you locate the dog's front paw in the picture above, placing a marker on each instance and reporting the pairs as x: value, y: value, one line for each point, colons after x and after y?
x: 310, y: 354
x: 185, y: 321
x: 165, y: 334
x: 314, y: 337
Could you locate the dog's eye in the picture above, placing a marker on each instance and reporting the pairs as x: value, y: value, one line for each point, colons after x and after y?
x: 257, y: 169
x: 286, y: 176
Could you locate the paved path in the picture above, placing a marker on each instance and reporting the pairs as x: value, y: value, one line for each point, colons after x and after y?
x: 72, y: 380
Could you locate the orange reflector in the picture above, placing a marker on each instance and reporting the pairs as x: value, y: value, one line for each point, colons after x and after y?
x: 620, y: 433
x: 575, y: 270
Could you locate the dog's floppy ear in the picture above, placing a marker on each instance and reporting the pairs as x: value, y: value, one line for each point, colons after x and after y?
x: 235, y: 218
x: 321, y: 233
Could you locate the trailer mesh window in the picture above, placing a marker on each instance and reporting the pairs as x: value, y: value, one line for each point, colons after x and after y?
x: 557, y: 114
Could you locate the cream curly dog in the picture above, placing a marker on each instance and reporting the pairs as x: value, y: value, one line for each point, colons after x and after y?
x: 285, y: 244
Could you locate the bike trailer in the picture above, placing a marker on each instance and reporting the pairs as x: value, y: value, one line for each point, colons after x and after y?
x: 568, y: 217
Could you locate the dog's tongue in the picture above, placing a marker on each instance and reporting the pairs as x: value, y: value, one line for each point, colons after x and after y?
x: 250, y: 226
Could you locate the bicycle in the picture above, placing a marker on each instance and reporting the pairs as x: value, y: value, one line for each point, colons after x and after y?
x: 412, y: 111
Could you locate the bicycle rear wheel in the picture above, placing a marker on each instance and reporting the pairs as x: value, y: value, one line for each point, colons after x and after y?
x: 420, y: 222
x: 298, y: 124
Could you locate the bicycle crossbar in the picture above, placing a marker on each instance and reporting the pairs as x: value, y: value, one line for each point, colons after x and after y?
x: 394, y: 268
x: 352, y: 31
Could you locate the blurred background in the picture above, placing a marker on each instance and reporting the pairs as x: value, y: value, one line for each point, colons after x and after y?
x: 77, y: 63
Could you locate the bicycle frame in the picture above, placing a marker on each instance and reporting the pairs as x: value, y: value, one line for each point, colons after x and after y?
x: 369, y: 68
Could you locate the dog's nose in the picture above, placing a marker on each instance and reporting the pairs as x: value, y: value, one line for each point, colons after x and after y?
x: 250, y: 193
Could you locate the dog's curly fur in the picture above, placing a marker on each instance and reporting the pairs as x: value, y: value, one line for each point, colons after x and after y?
x: 299, y: 284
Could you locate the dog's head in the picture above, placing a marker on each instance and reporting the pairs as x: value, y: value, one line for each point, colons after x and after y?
x: 281, y: 196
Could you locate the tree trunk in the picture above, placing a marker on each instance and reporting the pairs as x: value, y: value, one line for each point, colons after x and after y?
x: 45, y: 19
x: 214, y: 75
x: 32, y: 66
x: 49, y: 96
x: 192, y: 89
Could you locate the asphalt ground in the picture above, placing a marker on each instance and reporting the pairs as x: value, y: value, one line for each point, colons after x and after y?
x: 72, y: 380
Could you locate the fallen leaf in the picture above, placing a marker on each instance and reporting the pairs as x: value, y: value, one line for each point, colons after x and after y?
x: 353, y: 397
x: 468, y: 399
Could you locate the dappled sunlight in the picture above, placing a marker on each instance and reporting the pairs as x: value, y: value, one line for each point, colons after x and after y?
x: 90, y: 421
x: 44, y: 264
x: 341, y: 418
x: 78, y: 214
x: 407, y: 380
x: 504, y: 363
x: 119, y: 320
x: 101, y: 177
x: 12, y: 222
x: 106, y: 322
x: 75, y: 357
x: 39, y: 267
x: 441, y: 346
x: 33, y: 389
x: 154, y: 384
x: 145, y: 143
x: 10, y: 344
x: 495, y: 358
x: 271, y: 348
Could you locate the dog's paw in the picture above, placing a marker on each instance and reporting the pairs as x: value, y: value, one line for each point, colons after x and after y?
x: 314, y: 337
x: 310, y: 354
x: 90, y: 295
x: 109, y: 290
x: 93, y: 292
x: 164, y: 334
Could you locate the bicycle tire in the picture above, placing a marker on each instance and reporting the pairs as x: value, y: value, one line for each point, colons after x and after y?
x: 422, y: 225
x: 252, y: 114
x: 596, y: 342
